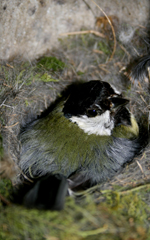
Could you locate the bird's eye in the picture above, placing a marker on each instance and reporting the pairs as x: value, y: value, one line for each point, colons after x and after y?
x: 91, y: 112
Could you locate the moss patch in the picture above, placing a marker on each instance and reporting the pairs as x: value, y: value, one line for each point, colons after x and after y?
x: 5, y: 190
x: 124, y: 215
x: 50, y: 63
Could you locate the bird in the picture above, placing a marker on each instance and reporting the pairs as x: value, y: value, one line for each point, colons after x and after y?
x: 85, y: 138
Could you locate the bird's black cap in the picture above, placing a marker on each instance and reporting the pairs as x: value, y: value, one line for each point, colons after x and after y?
x: 92, y: 98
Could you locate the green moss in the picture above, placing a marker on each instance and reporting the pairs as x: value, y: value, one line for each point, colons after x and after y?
x: 20, y: 75
x: 104, y: 47
x: 42, y: 71
x: 5, y: 70
x: 2, y: 121
x: 123, y: 215
x: 48, y: 78
x: 80, y: 73
x: 51, y: 63
x: 130, y: 203
x: 87, y: 40
x: 26, y: 74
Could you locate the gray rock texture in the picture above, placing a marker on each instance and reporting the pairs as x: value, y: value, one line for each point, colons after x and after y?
x: 31, y: 28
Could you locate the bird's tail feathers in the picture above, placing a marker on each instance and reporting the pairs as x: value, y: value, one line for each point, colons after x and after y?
x: 141, y: 70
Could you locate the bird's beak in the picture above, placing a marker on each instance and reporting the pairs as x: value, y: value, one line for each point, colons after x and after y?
x: 117, y: 102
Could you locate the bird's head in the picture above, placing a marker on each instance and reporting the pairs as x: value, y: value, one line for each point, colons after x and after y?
x: 97, y: 108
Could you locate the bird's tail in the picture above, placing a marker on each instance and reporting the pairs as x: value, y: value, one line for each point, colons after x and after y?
x: 141, y: 70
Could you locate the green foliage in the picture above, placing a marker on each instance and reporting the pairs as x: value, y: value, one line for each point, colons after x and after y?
x: 103, y: 46
x: 6, y: 72
x: 87, y: 40
x: 124, y: 215
x: 80, y: 73
x: 40, y: 77
x: 42, y: 71
x: 47, y: 78
x: 51, y: 63
x: 26, y: 74
x: 5, y: 187
x: 20, y: 75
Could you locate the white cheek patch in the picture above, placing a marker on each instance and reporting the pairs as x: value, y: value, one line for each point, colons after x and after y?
x: 99, y: 125
x: 115, y: 90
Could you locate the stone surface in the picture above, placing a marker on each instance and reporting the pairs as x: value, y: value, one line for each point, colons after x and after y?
x: 31, y: 28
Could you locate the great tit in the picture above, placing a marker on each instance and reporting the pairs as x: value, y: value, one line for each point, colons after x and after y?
x: 83, y: 139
